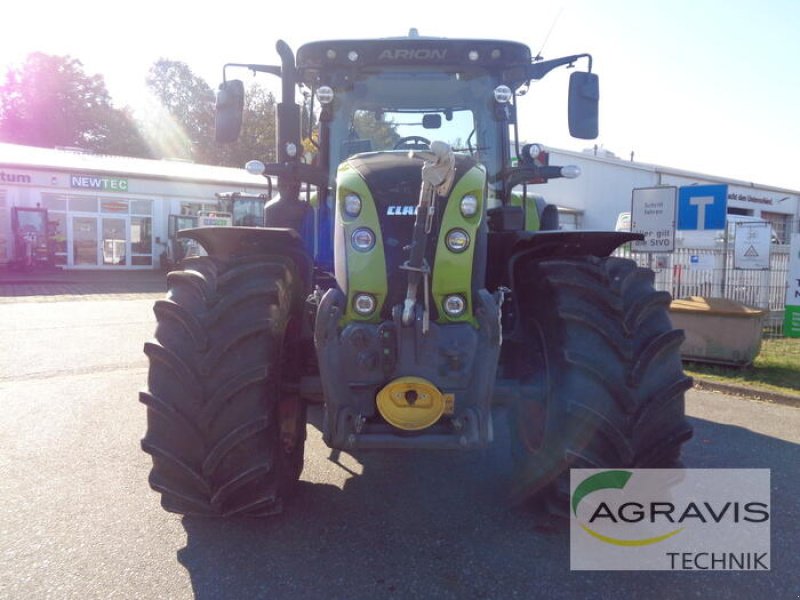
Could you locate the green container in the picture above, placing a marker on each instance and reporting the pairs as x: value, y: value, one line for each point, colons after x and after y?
x: 718, y: 330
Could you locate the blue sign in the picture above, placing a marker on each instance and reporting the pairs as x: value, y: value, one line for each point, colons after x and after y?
x: 702, y: 207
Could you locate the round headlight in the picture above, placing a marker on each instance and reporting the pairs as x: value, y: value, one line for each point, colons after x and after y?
x: 502, y: 93
x: 255, y: 167
x: 364, y: 304
x: 469, y: 205
x: 352, y: 205
x: 291, y: 149
x: 457, y: 240
x: 352, y: 56
x: 473, y: 55
x: 363, y: 239
x: 534, y: 150
x: 454, y: 305
x: 325, y: 94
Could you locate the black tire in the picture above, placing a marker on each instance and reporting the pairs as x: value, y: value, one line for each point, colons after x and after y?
x: 224, y: 436
x: 603, y: 370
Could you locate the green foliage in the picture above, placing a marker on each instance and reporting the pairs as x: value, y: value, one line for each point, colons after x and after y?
x: 367, y: 126
x: 50, y: 101
x: 186, y: 127
x: 257, y: 140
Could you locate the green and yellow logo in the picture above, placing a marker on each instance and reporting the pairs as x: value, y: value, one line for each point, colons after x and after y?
x: 615, y: 480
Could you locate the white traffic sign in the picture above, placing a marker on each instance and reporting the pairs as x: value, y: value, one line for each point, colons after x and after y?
x: 653, y: 215
x: 751, y: 246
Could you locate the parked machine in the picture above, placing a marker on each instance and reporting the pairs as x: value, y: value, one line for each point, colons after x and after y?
x: 32, y: 247
x: 234, y: 208
x: 418, y: 287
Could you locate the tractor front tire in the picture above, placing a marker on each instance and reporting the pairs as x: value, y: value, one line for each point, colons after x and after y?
x: 224, y: 436
x: 603, y: 363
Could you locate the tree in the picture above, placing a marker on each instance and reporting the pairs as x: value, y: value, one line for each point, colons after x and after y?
x: 257, y: 140
x: 50, y: 101
x: 189, y: 102
x: 369, y: 125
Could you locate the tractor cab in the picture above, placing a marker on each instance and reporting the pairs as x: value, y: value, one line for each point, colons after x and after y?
x: 245, y: 210
x: 396, y: 95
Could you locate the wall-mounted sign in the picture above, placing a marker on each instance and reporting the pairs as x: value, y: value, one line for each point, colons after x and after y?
x: 95, y: 182
x: 653, y: 215
x: 14, y: 177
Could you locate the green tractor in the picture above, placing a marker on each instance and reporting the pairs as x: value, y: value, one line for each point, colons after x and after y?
x: 407, y: 285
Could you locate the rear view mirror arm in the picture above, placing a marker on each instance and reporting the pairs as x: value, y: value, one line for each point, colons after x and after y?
x: 540, y: 69
x: 273, y: 69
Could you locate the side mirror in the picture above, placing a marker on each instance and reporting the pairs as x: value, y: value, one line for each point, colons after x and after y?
x: 431, y: 121
x: 229, y: 109
x: 584, y: 97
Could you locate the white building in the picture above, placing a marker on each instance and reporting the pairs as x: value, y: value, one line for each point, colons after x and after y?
x: 605, y: 188
x: 96, y: 201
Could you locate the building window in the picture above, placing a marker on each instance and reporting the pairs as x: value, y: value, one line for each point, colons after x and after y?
x: 115, y: 205
x: 192, y: 209
x: 141, y: 207
x: 83, y: 204
x: 54, y: 201
x: 780, y: 225
x: 141, y: 235
x: 58, y: 229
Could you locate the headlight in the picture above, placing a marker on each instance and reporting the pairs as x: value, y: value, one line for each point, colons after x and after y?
x: 534, y: 150
x: 325, y: 93
x: 255, y: 167
x: 352, y: 205
x: 364, y: 304
x: 469, y: 205
x: 457, y: 240
x: 502, y: 94
x: 454, y: 305
x: 363, y: 239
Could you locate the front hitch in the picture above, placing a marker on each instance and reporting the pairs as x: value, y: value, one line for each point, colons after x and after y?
x: 438, y: 175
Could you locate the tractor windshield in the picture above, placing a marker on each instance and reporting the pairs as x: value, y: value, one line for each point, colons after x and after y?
x: 405, y: 109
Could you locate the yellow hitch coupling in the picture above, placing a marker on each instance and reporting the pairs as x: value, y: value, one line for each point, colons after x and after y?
x: 413, y: 403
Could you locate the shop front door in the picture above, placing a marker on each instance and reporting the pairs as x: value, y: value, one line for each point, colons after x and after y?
x: 84, y: 241
x: 114, y: 245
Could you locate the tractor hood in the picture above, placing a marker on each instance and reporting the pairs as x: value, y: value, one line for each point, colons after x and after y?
x: 394, y: 178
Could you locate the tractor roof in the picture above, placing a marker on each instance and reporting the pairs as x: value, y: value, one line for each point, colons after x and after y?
x: 434, y: 53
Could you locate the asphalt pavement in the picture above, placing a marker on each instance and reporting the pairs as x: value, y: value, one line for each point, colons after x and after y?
x: 78, y: 520
x: 43, y: 285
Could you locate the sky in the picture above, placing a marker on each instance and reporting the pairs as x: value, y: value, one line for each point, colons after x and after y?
x: 711, y: 86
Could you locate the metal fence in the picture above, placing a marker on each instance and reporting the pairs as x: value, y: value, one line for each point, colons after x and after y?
x: 709, y: 272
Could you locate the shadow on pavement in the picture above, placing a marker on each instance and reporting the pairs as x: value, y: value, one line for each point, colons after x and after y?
x: 439, y: 525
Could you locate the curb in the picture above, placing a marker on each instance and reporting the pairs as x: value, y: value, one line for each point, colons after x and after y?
x: 747, y: 392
